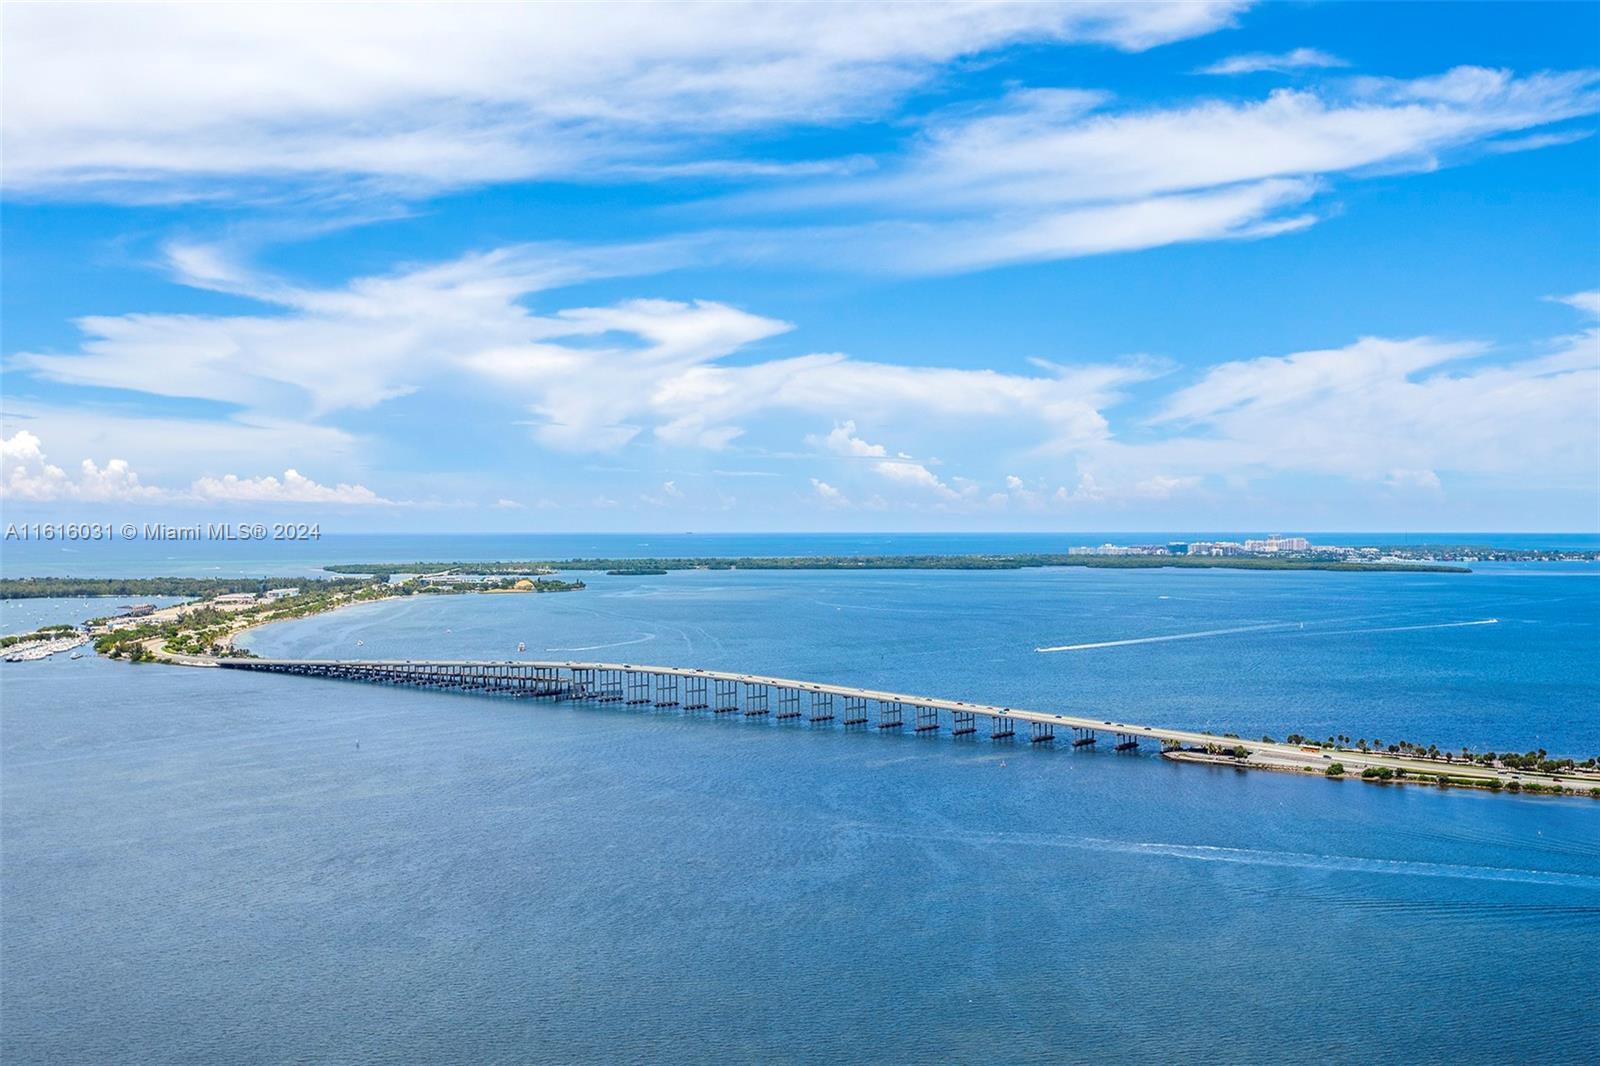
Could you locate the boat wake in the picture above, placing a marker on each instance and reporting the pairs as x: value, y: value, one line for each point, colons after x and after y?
x: 1407, y: 629
x: 1264, y: 629
x: 1211, y: 853
x: 1172, y: 636
x: 613, y: 644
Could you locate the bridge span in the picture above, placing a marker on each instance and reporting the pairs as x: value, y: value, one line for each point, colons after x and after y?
x: 721, y: 692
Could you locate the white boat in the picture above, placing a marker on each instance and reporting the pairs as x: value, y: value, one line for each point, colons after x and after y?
x: 522, y: 645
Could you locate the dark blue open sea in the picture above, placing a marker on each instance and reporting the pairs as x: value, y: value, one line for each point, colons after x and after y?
x: 204, y: 866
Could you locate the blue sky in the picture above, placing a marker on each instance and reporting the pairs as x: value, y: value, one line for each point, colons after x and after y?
x: 723, y: 267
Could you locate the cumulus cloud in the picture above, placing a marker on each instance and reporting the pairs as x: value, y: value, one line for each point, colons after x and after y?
x: 842, y: 440
x: 165, y: 100
x: 293, y: 488
x: 26, y: 474
x: 900, y: 468
x: 829, y: 495
x: 1294, y: 59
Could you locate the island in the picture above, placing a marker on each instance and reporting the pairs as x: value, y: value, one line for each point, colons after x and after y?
x: 218, y: 611
x: 896, y: 562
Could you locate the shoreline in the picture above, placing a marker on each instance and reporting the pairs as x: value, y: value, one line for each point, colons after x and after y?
x: 1000, y: 561
x: 1202, y: 748
x: 1443, y: 775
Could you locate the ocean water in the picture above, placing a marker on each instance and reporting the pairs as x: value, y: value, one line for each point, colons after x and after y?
x: 209, y: 866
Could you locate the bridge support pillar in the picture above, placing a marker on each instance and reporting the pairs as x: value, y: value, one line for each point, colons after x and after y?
x: 755, y: 700
x: 1002, y: 728
x: 963, y: 723
x: 788, y: 704
x: 855, y: 710
x: 822, y: 706
x: 1082, y: 738
x: 1127, y: 742
x: 1043, y: 733
x: 638, y: 689
x: 927, y: 719
x: 727, y: 693
x: 694, y: 694
x: 890, y: 714
x: 666, y: 690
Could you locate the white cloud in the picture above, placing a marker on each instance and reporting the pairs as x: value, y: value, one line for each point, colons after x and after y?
x: 375, y: 339
x: 1387, y: 410
x: 164, y: 449
x: 293, y: 488
x: 1294, y: 59
x: 1423, y: 481
x: 1054, y: 173
x: 26, y: 474
x: 842, y: 440
x: 829, y: 495
x: 1162, y: 486
x: 593, y: 378
x: 559, y: 377
x: 1587, y: 302
x: 916, y: 475
x: 669, y: 494
x: 899, y: 468
x: 171, y: 99
x: 504, y: 504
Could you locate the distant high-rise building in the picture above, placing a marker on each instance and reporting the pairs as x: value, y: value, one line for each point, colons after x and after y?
x: 1277, y: 543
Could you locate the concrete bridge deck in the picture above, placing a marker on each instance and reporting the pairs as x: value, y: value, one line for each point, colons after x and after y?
x: 788, y: 699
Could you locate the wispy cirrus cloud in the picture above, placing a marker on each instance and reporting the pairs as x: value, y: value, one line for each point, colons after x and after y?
x: 1058, y: 173
x: 1278, y: 62
x: 175, y: 101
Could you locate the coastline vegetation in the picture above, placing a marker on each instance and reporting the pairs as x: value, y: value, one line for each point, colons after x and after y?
x: 25, y: 588
x: 42, y: 633
x: 206, y: 629
x: 891, y: 562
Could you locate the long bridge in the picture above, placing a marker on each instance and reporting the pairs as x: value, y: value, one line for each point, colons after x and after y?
x: 786, y: 699
x: 721, y: 692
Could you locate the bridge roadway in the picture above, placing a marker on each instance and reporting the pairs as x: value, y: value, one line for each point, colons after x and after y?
x: 750, y: 694
x: 678, y: 686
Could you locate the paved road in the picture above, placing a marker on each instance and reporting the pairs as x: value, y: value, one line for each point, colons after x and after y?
x: 1354, y: 760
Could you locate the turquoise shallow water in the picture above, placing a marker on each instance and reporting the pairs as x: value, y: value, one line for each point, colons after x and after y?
x: 202, y: 866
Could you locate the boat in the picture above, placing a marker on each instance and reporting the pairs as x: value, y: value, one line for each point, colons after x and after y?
x: 76, y: 655
x: 361, y: 643
x: 522, y: 645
